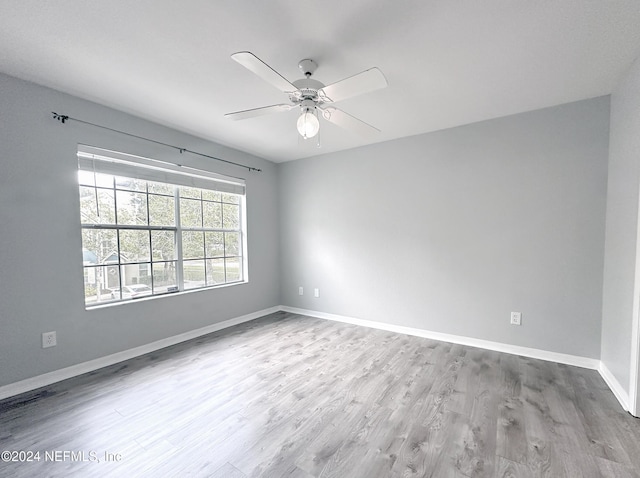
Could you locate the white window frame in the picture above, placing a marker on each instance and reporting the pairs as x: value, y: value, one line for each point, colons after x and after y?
x: 97, y: 160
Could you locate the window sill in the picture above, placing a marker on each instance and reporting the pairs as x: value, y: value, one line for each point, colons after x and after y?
x: 158, y: 296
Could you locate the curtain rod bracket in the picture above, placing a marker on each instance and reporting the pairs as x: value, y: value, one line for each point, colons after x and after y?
x: 63, y: 118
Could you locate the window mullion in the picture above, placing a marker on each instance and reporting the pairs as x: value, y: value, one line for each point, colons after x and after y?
x: 128, y: 227
x: 146, y: 188
x: 151, y: 259
x: 179, y: 259
x: 204, y: 245
x: 115, y: 212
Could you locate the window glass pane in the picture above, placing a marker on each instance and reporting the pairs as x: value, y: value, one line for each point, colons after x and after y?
x: 190, y: 193
x: 193, y: 244
x: 231, y: 216
x: 193, y: 274
x: 112, y: 279
x: 211, y: 195
x: 144, y: 273
x: 88, y: 205
x: 132, y: 208
x: 106, y: 207
x: 190, y: 213
x: 131, y: 184
x: 97, y: 283
x: 86, y: 178
x: 233, y: 269
x: 162, y: 188
x: 230, y: 198
x: 215, y: 244
x: 135, y: 280
x: 99, y: 246
x: 162, y: 210
x: 104, y: 180
x: 215, y: 271
x: 134, y: 246
x: 232, y: 244
x: 212, y: 214
x: 163, y: 245
x: 164, y: 277
x: 101, y: 213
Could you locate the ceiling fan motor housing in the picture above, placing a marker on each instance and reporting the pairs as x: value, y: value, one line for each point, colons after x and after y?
x: 307, y: 90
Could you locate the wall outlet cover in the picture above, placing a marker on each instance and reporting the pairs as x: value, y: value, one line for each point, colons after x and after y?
x: 49, y: 339
x: 516, y: 318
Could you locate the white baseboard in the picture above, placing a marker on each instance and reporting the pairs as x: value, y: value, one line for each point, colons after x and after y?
x: 85, y: 367
x: 81, y: 368
x: 575, y: 360
x: 584, y: 362
x: 617, y: 389
x: 594, y: 364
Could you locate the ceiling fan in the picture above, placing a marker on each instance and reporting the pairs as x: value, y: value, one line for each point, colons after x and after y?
x: 313, y: 98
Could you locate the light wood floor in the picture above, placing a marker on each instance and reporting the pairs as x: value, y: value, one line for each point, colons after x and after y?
x: 293, y: 396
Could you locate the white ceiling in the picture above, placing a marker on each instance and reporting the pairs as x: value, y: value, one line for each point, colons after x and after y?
x: 447, y: 62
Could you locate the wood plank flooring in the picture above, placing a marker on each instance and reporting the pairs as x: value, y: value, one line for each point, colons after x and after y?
x: 294, y: 396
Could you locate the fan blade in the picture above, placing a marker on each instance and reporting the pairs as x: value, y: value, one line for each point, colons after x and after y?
x: 264, y: 71
x: 346, y: 121
x: 364, y: 82
x: 265, y: 110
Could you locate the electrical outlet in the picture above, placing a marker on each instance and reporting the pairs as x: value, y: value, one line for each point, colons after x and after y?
x: 300, y: 290
x: 516, y: 318
x: 49, y: 340
x: 316, y: 292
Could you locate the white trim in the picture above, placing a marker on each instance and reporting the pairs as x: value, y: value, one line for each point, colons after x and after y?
x: 634, y: 368
x: 85, y: 367
x: 634, y: 378
x: 634, y: 372
x: 81, y: 368
x: 617, y: 389
x: 575, y: 360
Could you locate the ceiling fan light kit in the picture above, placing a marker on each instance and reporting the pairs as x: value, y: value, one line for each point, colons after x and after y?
x: 308, y: 123
x: 311, y: 95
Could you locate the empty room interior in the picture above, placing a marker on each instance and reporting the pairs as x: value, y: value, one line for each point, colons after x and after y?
x: 320, y: 239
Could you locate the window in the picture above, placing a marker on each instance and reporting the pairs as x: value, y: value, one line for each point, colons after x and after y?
x: 143, y: 237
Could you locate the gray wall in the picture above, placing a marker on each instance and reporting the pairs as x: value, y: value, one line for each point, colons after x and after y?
x: 622, y: 226
x: 453, y: 230
x: 41, y: 283
x: 448, y: 232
